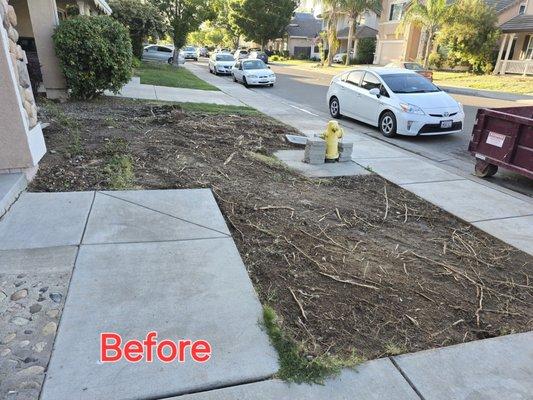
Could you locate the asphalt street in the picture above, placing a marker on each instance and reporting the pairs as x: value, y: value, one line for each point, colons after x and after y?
x: 307, y: 90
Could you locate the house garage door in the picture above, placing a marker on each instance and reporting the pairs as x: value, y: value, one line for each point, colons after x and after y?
x: 302, y: 52
x: 390, y: 51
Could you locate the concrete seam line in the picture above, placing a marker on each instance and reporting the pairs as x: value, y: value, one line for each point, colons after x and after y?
x: 214, y: 387
x: 78, y: 246
x: 168, y: 215
x: 158, y: 241
x: 501, y: 219
x: 438, y: 181
x: 86, y: 222
x: 406, y: 378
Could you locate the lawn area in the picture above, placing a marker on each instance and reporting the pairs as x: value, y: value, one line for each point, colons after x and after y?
x: 309, y: 65
x: 340, y: 280
x: 168, y: 75
x: 506, y: 83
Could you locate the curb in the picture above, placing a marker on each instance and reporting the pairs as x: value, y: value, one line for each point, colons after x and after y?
x: 486, y: 93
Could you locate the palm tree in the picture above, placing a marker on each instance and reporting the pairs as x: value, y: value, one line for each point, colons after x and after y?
x: 353, y: 9
x: 428, y: 16
x: 331, y: 11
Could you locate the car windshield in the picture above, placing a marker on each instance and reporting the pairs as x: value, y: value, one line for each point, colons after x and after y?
x: 255, y: 64
x: 414, y: 66
x: 189, y: 48
x: 409, y: 83
x: 225, y: 57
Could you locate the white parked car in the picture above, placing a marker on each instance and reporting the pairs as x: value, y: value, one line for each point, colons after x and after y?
x: 253, y: 72
x: 156, y: 52
x: 221, y: 63
x: 190, y: 52
x: 397, y: 101
x: 240, y: 54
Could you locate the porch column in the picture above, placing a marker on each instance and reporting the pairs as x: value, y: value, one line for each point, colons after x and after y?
x: 21, y: 138
x: 44, y: 19
x: 84, y: 9
x: 499, y: 59
x: 507, y: 53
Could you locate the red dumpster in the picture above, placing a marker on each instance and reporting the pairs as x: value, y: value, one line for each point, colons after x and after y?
x: 503, y: 137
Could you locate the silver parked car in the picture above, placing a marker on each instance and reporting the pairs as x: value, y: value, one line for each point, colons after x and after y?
x: 158, y: 53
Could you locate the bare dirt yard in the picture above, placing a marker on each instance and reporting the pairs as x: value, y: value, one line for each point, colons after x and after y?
x: 349, y: 264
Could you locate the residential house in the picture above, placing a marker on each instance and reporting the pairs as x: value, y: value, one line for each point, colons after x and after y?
x: 301, y: 36
x: 26, y: 27
x: 408, y: 45
x: 366, y: 27
x: 37, y: 20
x: 516, y: 48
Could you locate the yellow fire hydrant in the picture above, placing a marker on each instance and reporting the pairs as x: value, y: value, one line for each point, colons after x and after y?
x: 331, y: 136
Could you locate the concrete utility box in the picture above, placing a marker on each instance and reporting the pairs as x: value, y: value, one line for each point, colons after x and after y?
x: 315, y: 151
x: 345, y: 151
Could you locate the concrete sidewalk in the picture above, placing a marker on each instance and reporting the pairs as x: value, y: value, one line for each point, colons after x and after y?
x: 500, y: 212
x: 135, y: 90
x: 491, y: 369
x: 160, y: 260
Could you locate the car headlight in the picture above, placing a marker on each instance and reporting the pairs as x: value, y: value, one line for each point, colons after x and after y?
x: 252, y: 76
x: 411, y: 108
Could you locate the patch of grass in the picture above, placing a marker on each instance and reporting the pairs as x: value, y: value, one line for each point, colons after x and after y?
x: 505, y: 83
x: 394, y: 349
x: 219, y: 109
x: 271, y: 161
x: 119, y: 172
x: 71, y: 126
x: 294, y: 365
x: 169, y: 75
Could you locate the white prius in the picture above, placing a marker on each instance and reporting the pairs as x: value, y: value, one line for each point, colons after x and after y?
x: 397, y: 101
x: 253, y: 72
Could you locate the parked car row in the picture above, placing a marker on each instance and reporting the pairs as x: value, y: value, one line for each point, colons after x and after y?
x: 249, y: 71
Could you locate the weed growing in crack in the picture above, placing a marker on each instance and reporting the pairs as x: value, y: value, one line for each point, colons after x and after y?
x: 294, y: 365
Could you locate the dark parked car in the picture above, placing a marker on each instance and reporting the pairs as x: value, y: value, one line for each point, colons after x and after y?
x: 261, y: 55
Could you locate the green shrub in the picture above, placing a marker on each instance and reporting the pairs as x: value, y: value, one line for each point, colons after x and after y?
x: 95, y: 54
x: 135, y: 62
x: 119, y: 172
x: 275, y: 57
x: 435, y: 60
x: 366, y: 47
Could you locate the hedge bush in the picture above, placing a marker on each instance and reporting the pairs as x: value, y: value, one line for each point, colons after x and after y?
x: 95, y: 54
x: 366, y: 47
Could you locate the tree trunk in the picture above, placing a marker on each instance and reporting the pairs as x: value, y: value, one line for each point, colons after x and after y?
x: 349, y: 46
x: 428, y: 47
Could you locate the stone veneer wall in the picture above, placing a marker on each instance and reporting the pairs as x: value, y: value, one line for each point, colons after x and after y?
x: 19, y: 61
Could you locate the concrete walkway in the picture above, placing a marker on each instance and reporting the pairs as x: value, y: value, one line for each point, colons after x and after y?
x: 500, y: 212
x: 491, y: 369
x: 160, y: 260
x: 135, y: 90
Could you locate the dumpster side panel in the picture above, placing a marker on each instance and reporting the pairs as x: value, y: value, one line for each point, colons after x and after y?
x: 504, y: 137
x: 524, y: 152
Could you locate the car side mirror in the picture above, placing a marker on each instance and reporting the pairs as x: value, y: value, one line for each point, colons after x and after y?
x: 375, y: 92
x: 268, y: 66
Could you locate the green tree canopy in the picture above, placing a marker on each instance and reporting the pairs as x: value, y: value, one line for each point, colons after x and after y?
x: 142, y: 20
x: 262, y: 20
x: 183, y: 16
x: 471, y: 34
x: 429, y: 15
